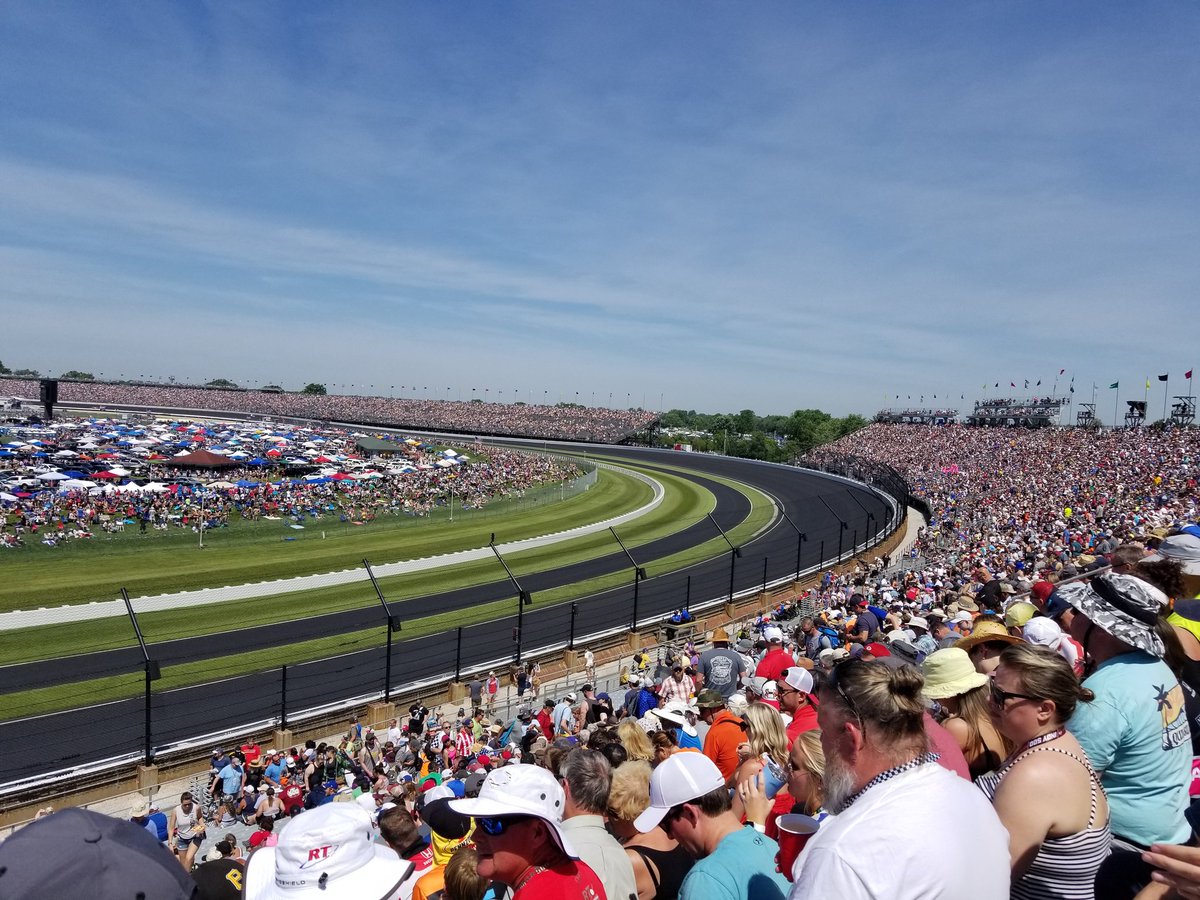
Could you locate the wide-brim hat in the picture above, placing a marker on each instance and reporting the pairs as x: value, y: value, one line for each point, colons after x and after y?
x: 950, y: 673
x: 985, y: 633
x: 675, y: 712
x: 329, y: 851
x: 1124, y: 606
x: 1183, y: 548
x: 520, y: 790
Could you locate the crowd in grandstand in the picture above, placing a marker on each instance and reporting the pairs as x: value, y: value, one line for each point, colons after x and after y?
x: 557, y: 422
x: 1014, y: 712
x: 85, y: 477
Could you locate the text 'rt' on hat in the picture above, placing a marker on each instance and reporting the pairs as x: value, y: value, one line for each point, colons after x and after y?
x: 326, y: 852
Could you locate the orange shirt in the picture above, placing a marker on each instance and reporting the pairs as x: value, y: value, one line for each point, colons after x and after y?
x: 722, y: 740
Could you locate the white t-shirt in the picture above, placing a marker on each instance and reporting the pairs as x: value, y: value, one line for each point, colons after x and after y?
x: 884, y: 846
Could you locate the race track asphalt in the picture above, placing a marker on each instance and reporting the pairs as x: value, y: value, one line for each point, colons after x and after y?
x: 56, y: 741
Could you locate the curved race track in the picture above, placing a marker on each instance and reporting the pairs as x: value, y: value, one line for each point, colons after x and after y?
x: 57, y: 741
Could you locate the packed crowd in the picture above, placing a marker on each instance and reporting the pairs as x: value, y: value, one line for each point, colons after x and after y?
x: 84, y: 477
x: 555, y: 422
x: 1014, y: 713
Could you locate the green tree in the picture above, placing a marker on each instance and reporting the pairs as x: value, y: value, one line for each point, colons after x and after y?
x: 4, y: 370
x: 27, y: 373
x: 78, y: 376
x: 221, y: 383
x: 314, y: 388
x: 744, y: 421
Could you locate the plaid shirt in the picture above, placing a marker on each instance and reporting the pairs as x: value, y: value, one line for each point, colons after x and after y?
x: 681, y: 690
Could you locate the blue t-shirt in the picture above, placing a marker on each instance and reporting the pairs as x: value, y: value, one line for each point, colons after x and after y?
x: 231, y: 779
x: 272, y: 772
x: 741, y: 868
x: 1136, y: 735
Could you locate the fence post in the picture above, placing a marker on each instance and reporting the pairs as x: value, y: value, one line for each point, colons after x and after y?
x: 764, y: 588
x: 458, y: 657
x: 574, y: 613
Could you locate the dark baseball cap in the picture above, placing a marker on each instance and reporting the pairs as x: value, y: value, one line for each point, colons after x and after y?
x: 80, y: 851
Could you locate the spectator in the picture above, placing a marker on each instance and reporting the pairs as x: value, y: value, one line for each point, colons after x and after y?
x: 1047, y: 795
x: 187, y: 826
x: 795, y: 687
x: 961, y: 692
x: 891, y: 800
x: 776, y: 659
x: 327, y: 850
x: 659, y: 863
x: 985, y: 644
x: 520, y: 839
x: 765, y: 753
x: 463, y: 881
x: 587, y: 778
x: 725, y: 732
x: 721, y: 669
x: 1135, y: 732
x: 690, y: 802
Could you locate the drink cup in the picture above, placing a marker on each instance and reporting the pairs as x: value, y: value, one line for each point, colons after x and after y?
x: 795, y: 830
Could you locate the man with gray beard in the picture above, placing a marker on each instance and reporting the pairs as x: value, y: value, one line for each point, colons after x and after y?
x: 892, y: 801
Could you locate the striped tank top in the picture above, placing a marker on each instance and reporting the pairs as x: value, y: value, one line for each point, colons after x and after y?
x: 1065, y: 867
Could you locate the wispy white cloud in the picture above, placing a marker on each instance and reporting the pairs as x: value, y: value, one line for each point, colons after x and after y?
x: 778, y: 207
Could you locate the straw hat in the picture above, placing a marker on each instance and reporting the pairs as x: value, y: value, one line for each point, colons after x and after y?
x: 949, y: 673
x: 986, y: 632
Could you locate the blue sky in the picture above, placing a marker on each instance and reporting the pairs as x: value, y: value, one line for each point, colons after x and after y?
x: 769, y: 205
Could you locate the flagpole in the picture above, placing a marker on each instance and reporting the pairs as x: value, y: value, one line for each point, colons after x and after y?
x: 1166, y: 390
x: 1116, y: 402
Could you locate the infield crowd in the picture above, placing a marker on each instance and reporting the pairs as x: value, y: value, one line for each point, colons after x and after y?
x: 1011, y: 713
x: 80, y: 478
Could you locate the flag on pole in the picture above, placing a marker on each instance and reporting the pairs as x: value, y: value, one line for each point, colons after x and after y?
x: 1147, y: 384
x: 1188, y: 374
x: 1061, y: 371
x: 1072, y: 388
x: 1039, y: 384
x: 1026, y: 384
x: 1012, y: 384
x: 1163, y: 377
x: 1114, y: 385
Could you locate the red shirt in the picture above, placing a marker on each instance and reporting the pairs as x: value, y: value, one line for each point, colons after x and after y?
x: 569, y: 880
x: 773, y: 664
x: 803, y: 719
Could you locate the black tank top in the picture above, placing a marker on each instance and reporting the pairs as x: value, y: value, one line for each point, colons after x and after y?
x: 667, y: 869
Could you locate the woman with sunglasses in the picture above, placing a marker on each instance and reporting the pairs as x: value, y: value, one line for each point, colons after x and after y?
x: 766, y: 748
x: 1046, y: 793
x: 961, y: 692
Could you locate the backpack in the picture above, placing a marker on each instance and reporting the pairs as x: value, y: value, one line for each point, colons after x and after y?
x: 834, y: 641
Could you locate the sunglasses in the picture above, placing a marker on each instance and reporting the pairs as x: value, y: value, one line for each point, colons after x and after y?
x: 496, y: 826
x: 1000, y: 698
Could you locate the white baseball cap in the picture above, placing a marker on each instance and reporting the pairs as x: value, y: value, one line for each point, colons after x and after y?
x: 773, y: 634
x: 329, y: 851
x: 521, y: 790
x: 799, y: 678
x: 681, y: 778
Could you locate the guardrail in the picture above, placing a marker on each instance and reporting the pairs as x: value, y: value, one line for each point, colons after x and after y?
x: 173, y: 752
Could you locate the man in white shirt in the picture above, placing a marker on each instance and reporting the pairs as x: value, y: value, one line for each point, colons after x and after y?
x: 892, y: 801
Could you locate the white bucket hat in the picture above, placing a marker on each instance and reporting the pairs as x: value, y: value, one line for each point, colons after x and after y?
x: 326, y: 852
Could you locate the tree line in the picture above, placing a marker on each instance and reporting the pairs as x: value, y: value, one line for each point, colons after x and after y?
x: 746, y: 434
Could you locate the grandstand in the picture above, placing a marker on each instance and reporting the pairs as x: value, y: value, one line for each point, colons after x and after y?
x: 564, y: 421
x: 1034, y: 412
x: 917, y: 416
